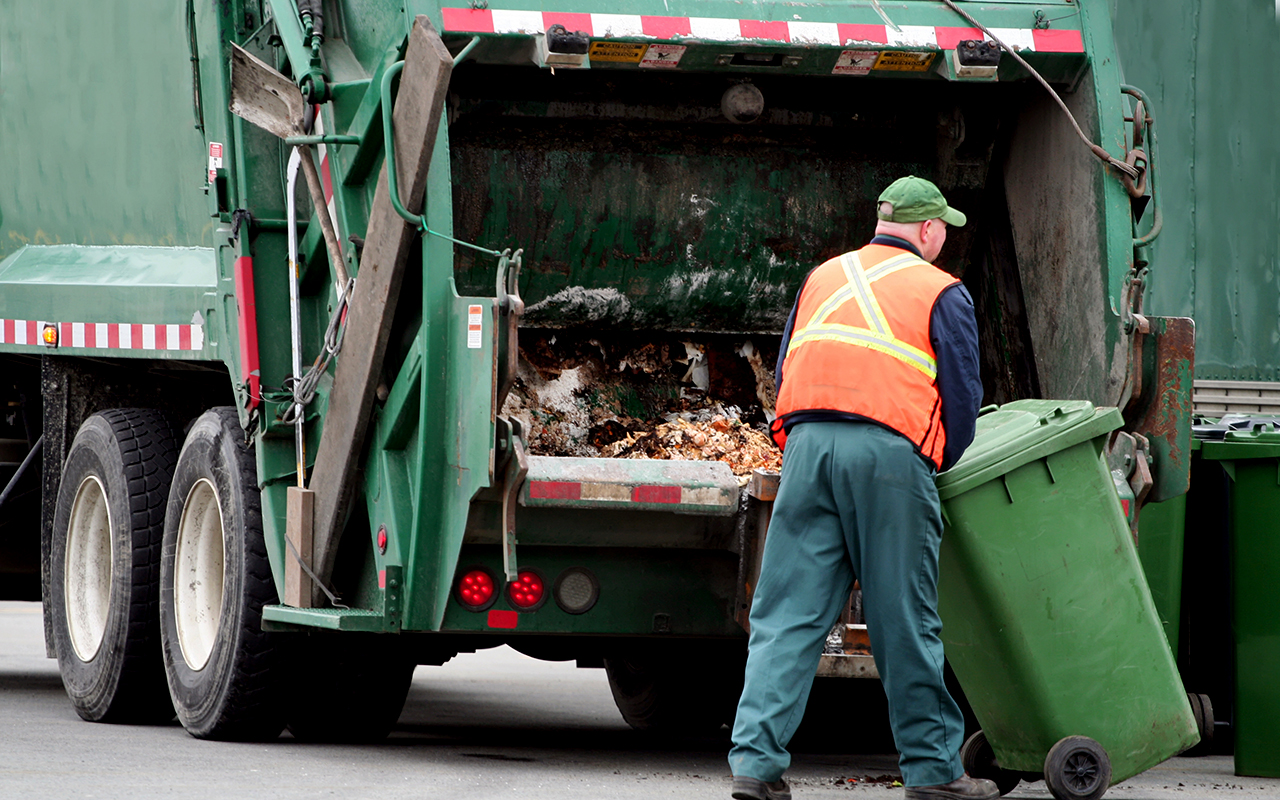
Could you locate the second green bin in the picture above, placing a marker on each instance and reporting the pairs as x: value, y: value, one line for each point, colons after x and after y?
x: 1252, y: 461
x: 1047, y: 618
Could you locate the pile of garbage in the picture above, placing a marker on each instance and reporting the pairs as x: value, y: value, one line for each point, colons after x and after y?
x: 721, y: 438
x: 622, y: 397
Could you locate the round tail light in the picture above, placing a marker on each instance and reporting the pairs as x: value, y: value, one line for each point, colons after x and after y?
x: 577, y: 590
x: 476, y: 589
x: 528, y: 591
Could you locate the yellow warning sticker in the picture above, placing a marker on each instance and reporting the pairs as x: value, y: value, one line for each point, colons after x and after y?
x: 900, y: 61
x: 617, y: 51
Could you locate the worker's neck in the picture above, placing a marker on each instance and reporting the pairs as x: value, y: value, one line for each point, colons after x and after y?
x: 890, y: 240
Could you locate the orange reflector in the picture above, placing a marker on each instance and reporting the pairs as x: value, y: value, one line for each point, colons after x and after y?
x: 50, y: 335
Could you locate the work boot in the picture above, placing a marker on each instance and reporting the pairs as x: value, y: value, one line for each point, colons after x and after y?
x: 745, y: 788
x: 962, y: 788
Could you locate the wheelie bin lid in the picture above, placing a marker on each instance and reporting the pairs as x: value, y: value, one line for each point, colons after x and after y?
x: 1020, y: 432
x: 1238, y: 437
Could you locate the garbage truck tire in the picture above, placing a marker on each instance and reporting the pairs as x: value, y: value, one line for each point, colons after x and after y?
x: 979, y: 760
x: 223, y: 669
x: 666, y: 695
x: 1077, y: 768
x: 105, y: 566
x: 346, y: 690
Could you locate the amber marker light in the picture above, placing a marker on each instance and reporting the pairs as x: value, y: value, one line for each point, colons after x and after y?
x: 50, y: 335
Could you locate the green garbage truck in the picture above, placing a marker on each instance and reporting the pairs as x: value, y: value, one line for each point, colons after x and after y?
x: 321, y: 319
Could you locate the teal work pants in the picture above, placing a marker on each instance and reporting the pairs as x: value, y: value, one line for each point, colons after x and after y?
x: 855, y: 501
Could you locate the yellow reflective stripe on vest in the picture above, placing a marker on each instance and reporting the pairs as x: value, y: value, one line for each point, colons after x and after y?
x: 858, y: 289
x: 863, y: 295
x: 831, y: 306
x: 881, y: 270
x: 886, y: 268
x: 862, y: 337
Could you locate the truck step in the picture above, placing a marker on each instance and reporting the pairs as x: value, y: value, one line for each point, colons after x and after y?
x: 333, y: 619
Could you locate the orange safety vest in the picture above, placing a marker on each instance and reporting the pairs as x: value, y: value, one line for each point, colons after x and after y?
x: 860, y: 345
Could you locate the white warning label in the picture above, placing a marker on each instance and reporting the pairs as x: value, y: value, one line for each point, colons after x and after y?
x: 215, y: 159
x: 855, y: 62
x: 663, y: 56
x: 475, y: 326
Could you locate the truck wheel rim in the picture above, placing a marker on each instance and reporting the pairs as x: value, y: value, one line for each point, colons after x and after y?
x: 198, y: 574
x: 88, y: 568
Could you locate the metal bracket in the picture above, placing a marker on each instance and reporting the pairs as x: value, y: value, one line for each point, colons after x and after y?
x: 393, y: 598
x: 762, y: 491
x: 1144, y: 152
x: 1157, y: 401
x: 510, y: 309
x: 515, y: 469
x: 1130, y: 455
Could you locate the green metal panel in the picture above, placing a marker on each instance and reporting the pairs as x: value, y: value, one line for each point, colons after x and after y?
x: 99, y: 126
x: 1213, y: 71
x: 1160, y: 546
x: 104, y: 286
x: 456, y: 415
x: 692, y: 591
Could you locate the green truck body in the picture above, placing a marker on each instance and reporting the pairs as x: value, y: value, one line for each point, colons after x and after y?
x: 144, y: 263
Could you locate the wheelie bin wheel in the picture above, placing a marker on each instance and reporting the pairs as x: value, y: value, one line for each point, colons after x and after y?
x: 979, y: 761
x: 1202, y: 709
x: 1077, y: 768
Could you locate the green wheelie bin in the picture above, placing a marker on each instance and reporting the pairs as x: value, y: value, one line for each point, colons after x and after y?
x: 1251, y: 459
x: 1047, y: 618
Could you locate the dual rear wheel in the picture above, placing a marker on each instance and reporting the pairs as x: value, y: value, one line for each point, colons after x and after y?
x: 159, y: 577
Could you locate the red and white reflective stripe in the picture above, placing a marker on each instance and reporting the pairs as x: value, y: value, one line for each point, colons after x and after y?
x: 625, y: 493
x: 20, y: 331
x: 326, y: 176
x: 834, y: 34
x: 106, y: 335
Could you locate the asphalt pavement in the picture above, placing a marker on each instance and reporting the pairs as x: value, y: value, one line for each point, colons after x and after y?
x: 495, y: 724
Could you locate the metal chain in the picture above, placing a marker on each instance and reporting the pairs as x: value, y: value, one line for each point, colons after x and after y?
x: 303, y: 390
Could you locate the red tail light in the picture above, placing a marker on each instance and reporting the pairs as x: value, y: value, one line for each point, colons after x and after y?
x: 476, y: 589
x: 528, y: 591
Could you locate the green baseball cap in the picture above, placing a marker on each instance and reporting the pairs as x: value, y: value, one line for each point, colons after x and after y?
x: 913, y: 199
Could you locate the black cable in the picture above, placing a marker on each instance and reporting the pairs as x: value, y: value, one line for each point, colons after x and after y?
x: 1097, y: 150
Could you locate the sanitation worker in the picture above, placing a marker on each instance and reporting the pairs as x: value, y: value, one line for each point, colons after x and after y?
x: 878, y: 389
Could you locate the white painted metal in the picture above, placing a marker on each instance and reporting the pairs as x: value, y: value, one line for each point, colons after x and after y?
x: 198, y: 574
x: 295, y: 325
x: 1216, y: 398
x: 88, y: 569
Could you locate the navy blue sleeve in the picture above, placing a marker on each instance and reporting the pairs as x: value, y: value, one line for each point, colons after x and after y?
x: 786, y: 337
x: 953, y: 330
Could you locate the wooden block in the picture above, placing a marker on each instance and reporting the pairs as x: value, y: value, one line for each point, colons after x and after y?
x: 299, y: 516
x: 388, y: 243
